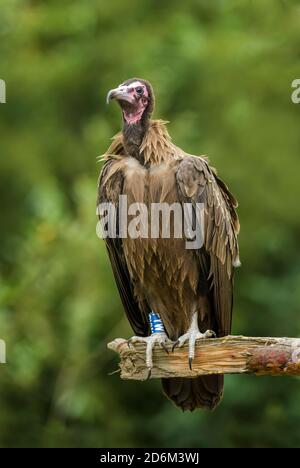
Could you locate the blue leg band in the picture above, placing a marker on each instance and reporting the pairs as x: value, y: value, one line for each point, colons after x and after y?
x: 156, y: 324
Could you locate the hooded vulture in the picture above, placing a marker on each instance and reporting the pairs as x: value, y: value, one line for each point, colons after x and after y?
x: 190, y: 289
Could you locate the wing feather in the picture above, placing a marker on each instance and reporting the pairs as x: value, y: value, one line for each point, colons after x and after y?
x: 198, y: 183
x: 110, y: 186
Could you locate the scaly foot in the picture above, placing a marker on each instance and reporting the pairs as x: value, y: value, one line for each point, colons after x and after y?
x: 192, y: 335
x: 160, y: 338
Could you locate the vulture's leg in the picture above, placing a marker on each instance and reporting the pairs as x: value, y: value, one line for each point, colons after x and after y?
x: 158, y: 335
x: 191, y: 336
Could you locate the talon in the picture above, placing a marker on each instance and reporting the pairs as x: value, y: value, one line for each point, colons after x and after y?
x: 149, y: 373
x: 164, y: 347
x: 190, y: 363
x: 174, y: 345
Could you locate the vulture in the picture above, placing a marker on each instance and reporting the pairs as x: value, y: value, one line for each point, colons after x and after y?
x: 189, y: 291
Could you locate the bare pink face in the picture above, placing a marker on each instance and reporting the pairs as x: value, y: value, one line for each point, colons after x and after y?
x: 133, y: 99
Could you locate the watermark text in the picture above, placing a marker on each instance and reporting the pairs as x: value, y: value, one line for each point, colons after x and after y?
x: 153, y: 221
x: 2, y: 352
x: 2, y: 92
x: 296, y: 94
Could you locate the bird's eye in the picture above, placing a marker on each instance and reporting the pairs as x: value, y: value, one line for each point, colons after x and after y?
x: 139, y: 90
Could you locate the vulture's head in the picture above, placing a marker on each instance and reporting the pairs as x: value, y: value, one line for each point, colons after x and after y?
x: 136, y: 99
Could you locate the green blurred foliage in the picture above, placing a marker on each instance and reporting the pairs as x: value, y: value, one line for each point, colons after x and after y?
x: 222, y: 72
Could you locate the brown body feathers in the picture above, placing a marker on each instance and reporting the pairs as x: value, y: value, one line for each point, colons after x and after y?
x: 161, y: 274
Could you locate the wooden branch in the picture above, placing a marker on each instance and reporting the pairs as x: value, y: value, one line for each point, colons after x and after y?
x: 228, y: 355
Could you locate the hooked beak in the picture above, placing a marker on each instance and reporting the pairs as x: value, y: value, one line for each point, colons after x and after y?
x: 121, y: 93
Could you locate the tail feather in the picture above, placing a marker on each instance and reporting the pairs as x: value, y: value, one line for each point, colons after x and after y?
x: 189, y: 394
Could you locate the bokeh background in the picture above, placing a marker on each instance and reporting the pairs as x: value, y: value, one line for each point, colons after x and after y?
x: 222, y: 72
